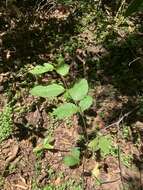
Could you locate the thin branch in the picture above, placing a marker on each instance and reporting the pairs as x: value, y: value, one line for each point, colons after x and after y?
x: 83, y: 63
x: 110, y: 181
x: 117, y: 123
x: 136, y: 59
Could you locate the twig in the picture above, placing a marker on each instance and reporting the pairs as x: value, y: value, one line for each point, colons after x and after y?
x: 120, y: 9
x: 117, y: 123
x: 110, y: 181
x: 83, y: 63
x: 136, y: 59
x: 40, y: 6
x: 106, y: 182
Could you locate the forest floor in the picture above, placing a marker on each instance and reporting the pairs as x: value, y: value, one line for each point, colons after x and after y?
x: 100, y: 45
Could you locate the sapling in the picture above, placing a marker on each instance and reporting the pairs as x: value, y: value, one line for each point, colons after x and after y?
x: 76, y: 98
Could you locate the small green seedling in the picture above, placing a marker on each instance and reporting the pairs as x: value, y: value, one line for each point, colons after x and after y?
x: 45, y: 145
x: 102, y: 143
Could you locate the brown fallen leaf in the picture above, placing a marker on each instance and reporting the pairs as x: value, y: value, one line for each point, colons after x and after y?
x: 13, y: 155
x: 14, y: 152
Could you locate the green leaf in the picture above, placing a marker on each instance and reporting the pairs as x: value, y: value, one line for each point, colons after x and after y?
x: 60, y: 60
x: 49, y: 91
x: 75, y: 152
x: 65, y: 110
x: 105, y: 144
x: 47, y: 143
x: 73, y: 158
x: 93, y: 145
x: 66, y: 95
x: 79, y: 90
x: 134, y: 6
x: 63, y: 69
x: 39, y: 69
x: 85, y: 103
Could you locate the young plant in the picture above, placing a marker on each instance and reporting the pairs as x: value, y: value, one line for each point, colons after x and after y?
x: 101, y: 143
x: 6, y: 123
x: 77, y: 98
x: 46, y: 144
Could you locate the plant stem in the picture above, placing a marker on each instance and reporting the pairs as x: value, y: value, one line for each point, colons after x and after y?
x: 84, y: 127
x: 120, y: 9
x: 80, y: 112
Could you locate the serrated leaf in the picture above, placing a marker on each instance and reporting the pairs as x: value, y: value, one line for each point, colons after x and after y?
x: 105, y: 145
x: 72, y: 159
x: 65, y: 110
x: 85, y: 103
x: 93, y: 145
x: 49, y: 91
x: 134, y: 6
x: 63, y: 69
x: 40, y: 69
x: 79, y: 90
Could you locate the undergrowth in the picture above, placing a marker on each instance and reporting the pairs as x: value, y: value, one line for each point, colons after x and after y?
x: 6, y: 122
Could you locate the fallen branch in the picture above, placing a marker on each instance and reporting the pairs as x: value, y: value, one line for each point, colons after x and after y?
x: 117, y: 123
